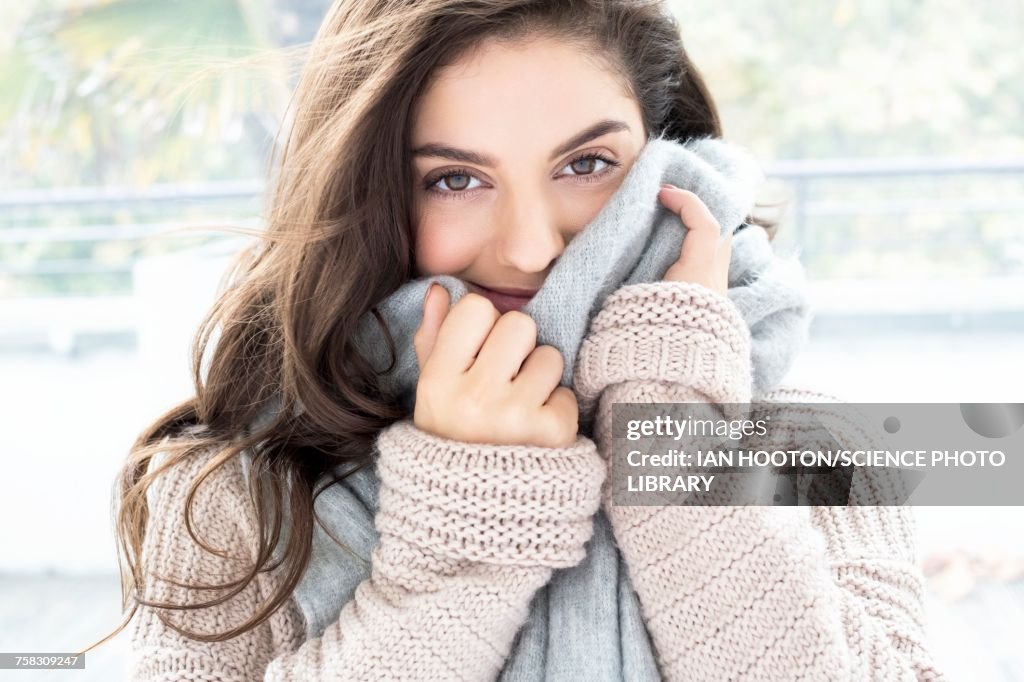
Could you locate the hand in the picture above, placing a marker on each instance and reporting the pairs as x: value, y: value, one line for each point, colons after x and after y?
x: 705, y: 255
x: 482, y: 380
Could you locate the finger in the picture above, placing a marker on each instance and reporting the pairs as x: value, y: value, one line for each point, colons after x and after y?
x: 540, y: 374
x: 463, y: 333
x: 511, y: 339
x: 725, y: 249
x: 435, y: 309
x: 702, y: 233
x: 562, y: 406
x: 724, y: 259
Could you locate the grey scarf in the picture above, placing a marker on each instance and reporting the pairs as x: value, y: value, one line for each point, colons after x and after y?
x: 585, y: 623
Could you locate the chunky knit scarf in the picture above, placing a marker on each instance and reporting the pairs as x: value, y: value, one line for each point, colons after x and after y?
x: 585, y: 623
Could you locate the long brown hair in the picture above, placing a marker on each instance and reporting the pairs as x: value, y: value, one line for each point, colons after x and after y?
x: 338, y: 240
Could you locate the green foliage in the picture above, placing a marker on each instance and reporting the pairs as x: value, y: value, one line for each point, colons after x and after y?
x: 874, y: 78
x: 130, y: 92
x: 134, y: 91
x: 137, y: 91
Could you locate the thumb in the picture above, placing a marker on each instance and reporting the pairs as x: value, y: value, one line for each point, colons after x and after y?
x: 435, y: 309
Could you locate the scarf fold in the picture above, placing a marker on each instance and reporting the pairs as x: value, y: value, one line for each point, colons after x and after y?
x: 586, y: 622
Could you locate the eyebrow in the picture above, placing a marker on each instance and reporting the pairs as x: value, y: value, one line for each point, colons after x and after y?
x: 447, y: 152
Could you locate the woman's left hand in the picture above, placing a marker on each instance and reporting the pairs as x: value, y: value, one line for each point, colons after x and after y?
x: 705, y: 255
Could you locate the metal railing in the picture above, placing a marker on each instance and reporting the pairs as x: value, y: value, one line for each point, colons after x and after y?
x: 802, y: 175
x: 242, y: 200
x: 37, y: 243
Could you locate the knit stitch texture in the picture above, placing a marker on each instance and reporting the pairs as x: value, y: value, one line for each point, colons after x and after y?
x: 469, y: 533
x: 586, y: 621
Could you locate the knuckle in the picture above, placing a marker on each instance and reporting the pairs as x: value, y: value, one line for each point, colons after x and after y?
x: 520, y: 317
x: 517, y: 414
x: 564, y: 429
x: 520, y: 321
x: 551, y: 355
x: 475, y: 301
x: 470, y: 405
x: 475, y: 388
x: 570, y: 397
x: 474, y: 412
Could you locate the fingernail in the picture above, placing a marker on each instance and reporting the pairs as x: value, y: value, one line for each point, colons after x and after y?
x: 430, y: 290
x: 666, y: 185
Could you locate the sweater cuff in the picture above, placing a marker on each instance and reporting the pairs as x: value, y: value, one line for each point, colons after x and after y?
x: 869, y: 526
x: 515, y: 505
x: 855, y: 534
x: 669, y: 331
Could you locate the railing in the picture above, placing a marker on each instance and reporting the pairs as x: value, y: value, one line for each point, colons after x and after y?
x: 240, y: 198
x: 44, y: 260
x: 803, y: 175
x: 235, y: 202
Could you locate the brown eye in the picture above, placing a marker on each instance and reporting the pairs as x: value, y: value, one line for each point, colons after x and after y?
x: 584, y: 166
x: 457, y: 183
x: 456, y: 186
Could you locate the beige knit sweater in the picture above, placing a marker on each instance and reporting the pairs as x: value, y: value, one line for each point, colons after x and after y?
x: 469, y: 532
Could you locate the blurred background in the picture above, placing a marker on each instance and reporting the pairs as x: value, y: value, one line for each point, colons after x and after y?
x: 892, y: 129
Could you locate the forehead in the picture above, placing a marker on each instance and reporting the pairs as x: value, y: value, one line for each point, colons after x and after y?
x: 543, y: 86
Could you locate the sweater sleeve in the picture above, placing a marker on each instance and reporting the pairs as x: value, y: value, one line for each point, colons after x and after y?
x: 468, y: 533
x: 223, y: 518
x: 746, y: 592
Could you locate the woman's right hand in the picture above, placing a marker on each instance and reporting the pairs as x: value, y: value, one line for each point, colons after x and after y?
x: 483, y: 379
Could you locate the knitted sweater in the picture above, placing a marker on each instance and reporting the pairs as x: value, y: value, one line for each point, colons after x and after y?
x: 469, y: 532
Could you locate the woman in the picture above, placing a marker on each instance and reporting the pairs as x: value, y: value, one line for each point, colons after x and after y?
x: 477, y: 138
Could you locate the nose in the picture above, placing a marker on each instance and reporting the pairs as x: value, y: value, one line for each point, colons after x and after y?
x: 531, y: 235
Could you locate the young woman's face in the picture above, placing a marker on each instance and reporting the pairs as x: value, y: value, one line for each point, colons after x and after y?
x: 515, y: 151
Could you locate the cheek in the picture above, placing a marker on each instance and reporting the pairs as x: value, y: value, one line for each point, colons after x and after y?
x: 589, y: 204
x: 446, y: 243
x: 585, y: 206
